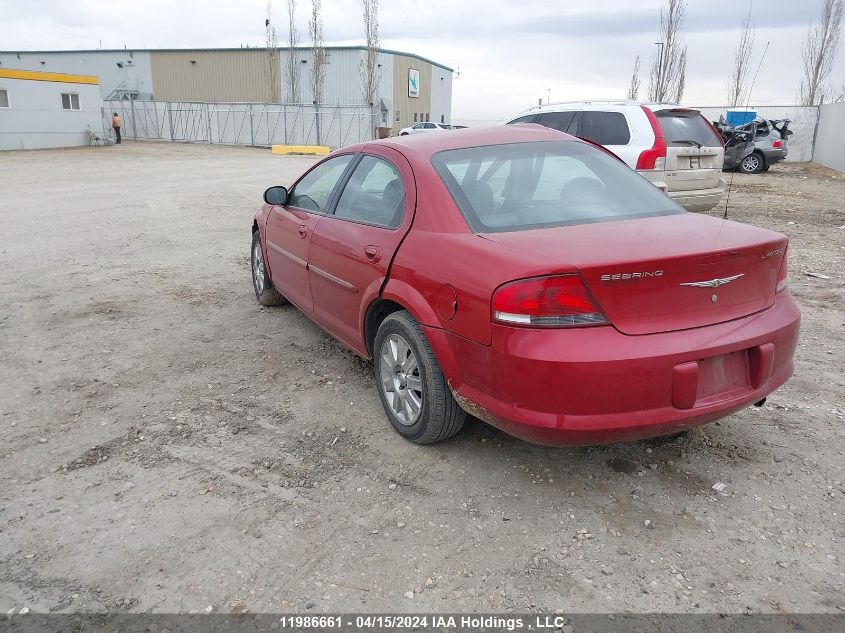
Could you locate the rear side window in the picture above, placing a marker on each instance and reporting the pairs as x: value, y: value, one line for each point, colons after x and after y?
x: 605, y: 128
x: 520, y: 186
x: 561, y: 121
x: 685, y: 129
x: 373, y: 195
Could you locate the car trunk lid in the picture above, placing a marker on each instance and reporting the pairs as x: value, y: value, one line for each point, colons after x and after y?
x: 665, y: 273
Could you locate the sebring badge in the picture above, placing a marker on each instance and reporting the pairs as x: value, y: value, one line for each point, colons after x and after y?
x: 713, y: 283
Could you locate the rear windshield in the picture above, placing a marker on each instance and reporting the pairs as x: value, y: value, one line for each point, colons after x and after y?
x: 685, y: 129
x: 542, y: 184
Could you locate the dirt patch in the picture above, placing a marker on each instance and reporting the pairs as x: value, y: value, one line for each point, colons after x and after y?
x: 231, y: 455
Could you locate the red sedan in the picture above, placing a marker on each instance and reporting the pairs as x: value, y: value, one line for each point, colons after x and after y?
x: 530, y: 279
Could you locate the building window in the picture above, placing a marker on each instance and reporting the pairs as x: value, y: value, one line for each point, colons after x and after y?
x: 443, y: 118
x: 427, y: 116
x: 397, y: 116
x: 415, y: 117
x: 4, y: 99
x: 70, y: 101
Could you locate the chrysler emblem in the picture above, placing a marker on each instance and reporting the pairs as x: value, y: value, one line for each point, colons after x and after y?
x: 713, y: 283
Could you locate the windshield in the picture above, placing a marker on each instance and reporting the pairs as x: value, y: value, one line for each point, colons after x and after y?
x: 552, y: 183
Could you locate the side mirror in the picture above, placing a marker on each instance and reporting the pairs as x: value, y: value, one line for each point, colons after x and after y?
x: 276, y: 196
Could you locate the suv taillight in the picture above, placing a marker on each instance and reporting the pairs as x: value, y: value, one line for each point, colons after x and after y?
x: 778, y: 144
x: 783, y: 273
x: 555, y: 301
x: 654, y: 158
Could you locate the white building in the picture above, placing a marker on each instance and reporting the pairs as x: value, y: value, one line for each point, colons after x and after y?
x: 47, y: 109
x: 411, y: 88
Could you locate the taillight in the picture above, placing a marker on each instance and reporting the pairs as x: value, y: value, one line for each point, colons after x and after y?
x: 778, y: 144
x: 782, y: 273
x: 556, y: 301
x: 654, y: 158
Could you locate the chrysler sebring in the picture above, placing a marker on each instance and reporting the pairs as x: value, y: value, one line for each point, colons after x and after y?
x: 532, y: 280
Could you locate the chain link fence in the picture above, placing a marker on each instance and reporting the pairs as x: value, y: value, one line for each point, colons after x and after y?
x: 251, y: 124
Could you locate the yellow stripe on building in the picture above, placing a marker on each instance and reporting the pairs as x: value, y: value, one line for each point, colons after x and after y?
x: 37, y: 75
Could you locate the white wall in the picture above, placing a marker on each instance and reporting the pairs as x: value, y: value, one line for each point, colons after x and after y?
x: 135, y: 74
x: 830, y: 137
x: 441, y: 94
x: 35, y: 118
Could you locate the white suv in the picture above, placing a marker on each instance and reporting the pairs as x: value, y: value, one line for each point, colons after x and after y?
x: 674, y: 147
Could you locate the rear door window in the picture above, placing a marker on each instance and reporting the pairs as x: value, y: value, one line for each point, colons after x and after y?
x: 561, y: 121
x: 374, y: 194
x: 686, y: 128
x: 604, y: 128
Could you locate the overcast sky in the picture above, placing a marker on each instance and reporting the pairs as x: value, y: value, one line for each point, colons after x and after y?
x: 509, y: 52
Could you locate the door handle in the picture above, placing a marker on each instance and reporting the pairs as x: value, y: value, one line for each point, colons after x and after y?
x: 303, y: 230
x: 373, y: 253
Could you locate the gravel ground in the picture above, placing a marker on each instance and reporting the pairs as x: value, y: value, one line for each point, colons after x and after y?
x: 173, y: 446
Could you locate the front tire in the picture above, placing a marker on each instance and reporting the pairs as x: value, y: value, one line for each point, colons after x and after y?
x: 752, y: 164
x: 265, y: 292
x: 411, y: 385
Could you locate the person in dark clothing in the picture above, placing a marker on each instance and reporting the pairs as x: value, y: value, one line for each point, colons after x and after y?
x: 115, y: 123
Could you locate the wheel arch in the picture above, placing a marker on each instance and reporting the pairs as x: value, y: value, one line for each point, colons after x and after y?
x: 398, y: 295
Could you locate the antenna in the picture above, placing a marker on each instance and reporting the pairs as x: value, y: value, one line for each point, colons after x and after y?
x: 747, y: 102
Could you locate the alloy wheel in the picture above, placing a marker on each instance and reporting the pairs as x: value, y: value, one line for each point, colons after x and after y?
x: 400, y: 379
x: 750, y: 162
x: 258, y: 267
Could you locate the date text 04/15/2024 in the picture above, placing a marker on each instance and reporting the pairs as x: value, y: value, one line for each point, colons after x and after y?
x: 460, y: 622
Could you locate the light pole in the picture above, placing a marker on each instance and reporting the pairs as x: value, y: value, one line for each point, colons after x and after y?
x: 658, y: 91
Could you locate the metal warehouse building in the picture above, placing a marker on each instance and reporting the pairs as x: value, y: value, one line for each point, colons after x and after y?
x: 47, y: 109
x: 411, y: 88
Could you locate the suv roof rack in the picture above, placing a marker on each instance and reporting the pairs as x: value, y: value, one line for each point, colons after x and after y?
x: 597, y: 102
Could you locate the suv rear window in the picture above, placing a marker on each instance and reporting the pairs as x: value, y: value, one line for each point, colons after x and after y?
x: 686, y: 128
x: 519, y: 186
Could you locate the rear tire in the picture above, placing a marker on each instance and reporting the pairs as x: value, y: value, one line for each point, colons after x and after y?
x: 411, y: 386
x: 265, y: 292
x: 754, y: 163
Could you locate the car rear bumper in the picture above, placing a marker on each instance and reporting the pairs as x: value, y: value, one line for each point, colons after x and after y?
x: 775, y: 155
x: 699, y: 200
x: 595, y: 385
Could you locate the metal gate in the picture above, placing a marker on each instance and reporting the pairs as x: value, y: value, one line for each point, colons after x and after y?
x: 252, y: 124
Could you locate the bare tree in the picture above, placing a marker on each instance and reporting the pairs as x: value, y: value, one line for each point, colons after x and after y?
x: 272, y: 55
x: 292, y: 67
x: 634, y: 88
x: 681, y: 79
x: 370, y: 73
x: 742, y: 57
x: 318, y: 61
x: 666, y: 69
x: 818, y: 52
